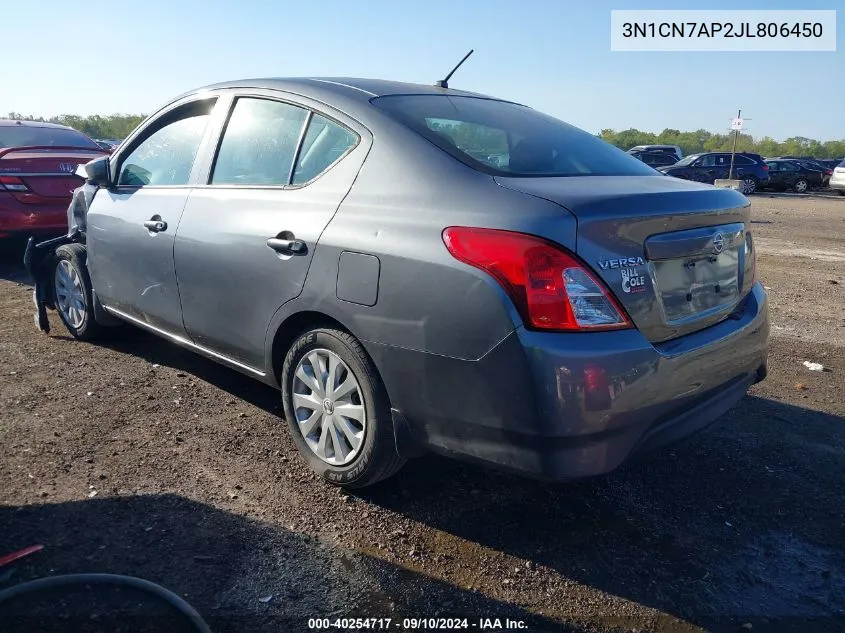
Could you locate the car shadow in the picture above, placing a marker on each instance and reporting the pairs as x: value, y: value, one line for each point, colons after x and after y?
x: 731, y: 527
x: 242, y: 575
x: 11, y: 261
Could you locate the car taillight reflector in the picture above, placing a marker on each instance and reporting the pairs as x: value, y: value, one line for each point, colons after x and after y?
x: 550, y: 287
x: 13, y: 183
x: 765, y: 167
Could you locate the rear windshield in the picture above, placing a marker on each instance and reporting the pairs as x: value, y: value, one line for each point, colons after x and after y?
x: 507, y: 139
x: 25, y: 135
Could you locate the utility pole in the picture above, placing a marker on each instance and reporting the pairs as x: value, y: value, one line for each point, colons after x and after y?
x: 736, y: 126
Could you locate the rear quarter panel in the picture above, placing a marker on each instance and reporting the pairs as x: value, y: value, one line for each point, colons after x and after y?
x: 406, y: 193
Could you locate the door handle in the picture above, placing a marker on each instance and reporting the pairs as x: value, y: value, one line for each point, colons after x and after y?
x: 155, y: 225
x: 291, y: 246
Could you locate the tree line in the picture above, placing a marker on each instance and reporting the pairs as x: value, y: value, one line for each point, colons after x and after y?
x: 704, y: 141
x: 114, y: 126
x: 119, y: 126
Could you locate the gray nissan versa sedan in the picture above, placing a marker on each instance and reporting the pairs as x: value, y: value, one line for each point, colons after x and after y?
x: 420, y: 268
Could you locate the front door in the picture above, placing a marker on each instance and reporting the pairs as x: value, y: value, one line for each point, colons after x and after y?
x: 131, y: 226
x: 246, y: 238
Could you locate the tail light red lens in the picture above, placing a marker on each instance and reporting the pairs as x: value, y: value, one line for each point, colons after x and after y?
x: 550, y: 287
x: 765, y: 167
x: 13, y: 183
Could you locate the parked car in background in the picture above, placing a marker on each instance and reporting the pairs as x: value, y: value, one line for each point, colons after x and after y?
x: 38, y: 163
x: 837, y: 180
x: 352, y: 243
x: 708, y: 167
x: 792, y: 174
x: 831, y: 163
x: 812, y: 164
x: 109, y: 144
x: 674, y: 150
x: 655, y: 159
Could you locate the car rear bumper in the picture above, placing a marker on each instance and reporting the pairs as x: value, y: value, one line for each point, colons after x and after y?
x: 567, y: 406
x: 26, y: 219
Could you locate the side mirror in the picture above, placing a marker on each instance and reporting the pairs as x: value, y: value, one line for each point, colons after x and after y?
x: 97, y: 172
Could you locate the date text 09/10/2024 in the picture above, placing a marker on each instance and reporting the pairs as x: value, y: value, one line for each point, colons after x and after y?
x: 416, y: 624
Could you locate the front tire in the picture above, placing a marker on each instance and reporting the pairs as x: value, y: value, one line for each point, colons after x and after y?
x: 337, y: 409
x: 73, y: 297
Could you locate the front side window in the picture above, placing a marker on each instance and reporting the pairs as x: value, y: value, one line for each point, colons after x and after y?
x: 325, y: 143
x: 166, y: 157
x: 259, y: 143
x: 507, y: 139
x: 708, y: 161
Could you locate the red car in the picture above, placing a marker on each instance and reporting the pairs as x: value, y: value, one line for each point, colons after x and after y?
x: 38, y: 164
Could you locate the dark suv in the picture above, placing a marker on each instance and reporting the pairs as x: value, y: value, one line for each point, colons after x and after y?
x: 708, y: 167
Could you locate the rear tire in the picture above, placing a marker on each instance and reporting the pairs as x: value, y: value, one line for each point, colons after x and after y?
x: 749, y: 185
x: 801, y: 186
x: 72, y: 295
x: 320, y: 432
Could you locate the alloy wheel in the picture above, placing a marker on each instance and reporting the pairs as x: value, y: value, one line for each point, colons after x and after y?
x: 69, y: 294
x: 329, y: 408
x: 801, y: 186
x: 750, y: 185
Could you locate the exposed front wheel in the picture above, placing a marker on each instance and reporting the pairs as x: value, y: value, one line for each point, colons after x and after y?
x: 801, y: 186
x: 72, y: 294
x: 337, y: 409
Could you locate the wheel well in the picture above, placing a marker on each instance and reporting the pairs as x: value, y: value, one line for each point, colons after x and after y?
x: 292, y: 327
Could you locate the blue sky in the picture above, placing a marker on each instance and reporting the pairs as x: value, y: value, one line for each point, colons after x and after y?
x: 104, y: 57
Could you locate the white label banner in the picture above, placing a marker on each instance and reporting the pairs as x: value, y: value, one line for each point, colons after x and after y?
x: 724, y: 30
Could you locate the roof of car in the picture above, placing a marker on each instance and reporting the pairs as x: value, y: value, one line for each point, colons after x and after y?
x: 21, y: 122
x: 365, y: 88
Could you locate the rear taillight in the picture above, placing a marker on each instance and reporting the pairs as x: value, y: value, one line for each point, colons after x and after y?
x: 551, y: 288
x: 751, y: 252
x: 765, y: 167
x: 13, y: 183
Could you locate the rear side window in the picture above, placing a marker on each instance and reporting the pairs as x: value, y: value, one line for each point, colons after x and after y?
x: 166, y: 156
x: 325, y: 143
x: 743, y: 160
x: 28, y: 135
x: 507, y: 139
x: 259, y: 143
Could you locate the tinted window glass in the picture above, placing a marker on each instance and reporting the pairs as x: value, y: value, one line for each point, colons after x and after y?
x: 508, y: 139
x: 709, y: 160
x: 24, y: 135
x: 259, y: 143
x: 773, y: 165
x: 743, y: 160
x: 167, y: 155
x: 789, y: 166
x: 324, y: 144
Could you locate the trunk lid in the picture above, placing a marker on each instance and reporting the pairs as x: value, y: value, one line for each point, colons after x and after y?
x: 35, y: 173
x: 675, y: 254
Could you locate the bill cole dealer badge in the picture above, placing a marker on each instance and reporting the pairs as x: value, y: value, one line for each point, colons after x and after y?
x: 632, y: 280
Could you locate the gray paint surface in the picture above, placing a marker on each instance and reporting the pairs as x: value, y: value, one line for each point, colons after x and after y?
x: 376, y: 263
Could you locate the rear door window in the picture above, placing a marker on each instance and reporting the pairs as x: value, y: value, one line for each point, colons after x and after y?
x: 259, y: 143
x: 325, y: 143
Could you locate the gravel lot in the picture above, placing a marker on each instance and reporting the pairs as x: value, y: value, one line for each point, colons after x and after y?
x: 144, y: 459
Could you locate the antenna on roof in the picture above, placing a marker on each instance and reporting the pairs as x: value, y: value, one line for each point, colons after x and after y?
x: 444, y: 83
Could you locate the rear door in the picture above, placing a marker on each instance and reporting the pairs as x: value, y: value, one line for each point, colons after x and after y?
x: 131, y: 226
x: 282, y: 167
x: 778, y: 174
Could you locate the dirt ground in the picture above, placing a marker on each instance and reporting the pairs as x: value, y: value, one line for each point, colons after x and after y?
x: 140, y: 458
